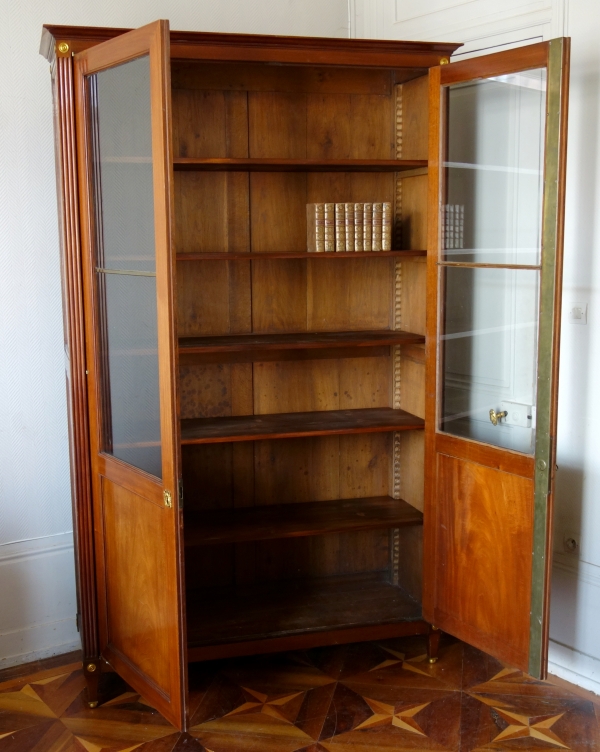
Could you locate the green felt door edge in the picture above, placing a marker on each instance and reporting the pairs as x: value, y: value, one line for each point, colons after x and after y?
x: 549, y: 325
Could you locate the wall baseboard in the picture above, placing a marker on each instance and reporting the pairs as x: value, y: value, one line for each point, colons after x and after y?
x: 574, y: 667
x: 37, y: 580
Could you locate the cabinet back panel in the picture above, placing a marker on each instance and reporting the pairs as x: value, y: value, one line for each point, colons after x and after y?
x: 288, y: 559
x: 210, y: 123
x: 212, y: 212
x: 289, y: 78
x: 221, y: 476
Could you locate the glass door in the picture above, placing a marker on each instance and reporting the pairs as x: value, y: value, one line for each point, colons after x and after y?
x: 494, y: 265
x: 124, y: 143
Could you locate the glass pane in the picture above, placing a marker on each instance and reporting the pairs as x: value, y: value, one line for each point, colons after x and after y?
x: 494, y: 170
x: 489, y: 354
x: 125, y: 250
x: 124, y: 164
x: 131, y: 369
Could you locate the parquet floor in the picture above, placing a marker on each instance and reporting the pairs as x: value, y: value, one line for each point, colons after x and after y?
x: 370, y: 697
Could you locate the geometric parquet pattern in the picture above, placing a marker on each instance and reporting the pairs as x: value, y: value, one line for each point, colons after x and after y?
x: 367, y: 697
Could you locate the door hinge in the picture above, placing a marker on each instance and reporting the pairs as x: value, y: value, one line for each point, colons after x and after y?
x: 180, y: 492
x: 168, y: 499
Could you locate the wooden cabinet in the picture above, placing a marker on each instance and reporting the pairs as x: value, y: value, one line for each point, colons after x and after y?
x: 274, y: 448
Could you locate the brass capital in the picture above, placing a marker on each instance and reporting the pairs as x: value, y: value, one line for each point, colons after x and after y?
x: 63, y: 48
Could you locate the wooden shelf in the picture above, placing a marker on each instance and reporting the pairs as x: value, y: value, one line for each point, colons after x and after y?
x: 297, y: 520
x: 292, y: 607
x: 290, y: 425
x: 296, y: 341
x: 297, y: 255
x: 299, y: 165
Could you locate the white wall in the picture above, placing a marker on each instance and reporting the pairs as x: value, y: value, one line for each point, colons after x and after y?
x: 486, y: 25
x: 37, y: 590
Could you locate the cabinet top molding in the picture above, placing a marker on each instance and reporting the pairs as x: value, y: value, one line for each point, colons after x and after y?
x: 190, y: 45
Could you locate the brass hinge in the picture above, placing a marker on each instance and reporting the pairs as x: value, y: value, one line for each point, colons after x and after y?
x: 168, y: 499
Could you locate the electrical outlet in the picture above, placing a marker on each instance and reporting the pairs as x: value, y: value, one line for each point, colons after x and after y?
x: 578, y: 313
x: 571, y: 543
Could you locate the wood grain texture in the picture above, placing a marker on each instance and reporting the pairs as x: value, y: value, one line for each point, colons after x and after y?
x: 483, y: 564
x: 308, y: 640
x: 74, y: 333
x: 296, y: 341
x: 298, y: 520
x: 309, y: 79
x: 430, y: 526
x: 289, y: 425
x: 242, y: 256
x: 268, y: 610
x: 414, y: 212
x: 415, y: 118
x: 164, y: 683
x: 283, y: 49
x: 135, y: 624
x: 297, y: 164
x: 414, y: 293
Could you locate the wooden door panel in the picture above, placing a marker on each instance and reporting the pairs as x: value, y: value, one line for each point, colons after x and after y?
x: 487, y: 508
x: 140, y: 621
x: 483, y: 572
x: 124, y: 126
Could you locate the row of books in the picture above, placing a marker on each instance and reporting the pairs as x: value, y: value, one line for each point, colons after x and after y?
x: 349, y: 227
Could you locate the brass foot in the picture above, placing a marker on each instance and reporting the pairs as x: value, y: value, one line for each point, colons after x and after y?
x: 433, y: 660
x: 93, y: 704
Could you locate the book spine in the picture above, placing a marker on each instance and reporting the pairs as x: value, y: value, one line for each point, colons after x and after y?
x: 349, y: 226
x: 340, y: 227
x: 359, y: 229
x: 329, y: 214
x: 315, y: 228
x: 377, y: 225
x: 386, y: 227
x: 367, y: 227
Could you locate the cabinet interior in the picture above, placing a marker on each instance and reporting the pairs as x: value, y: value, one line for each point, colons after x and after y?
x: 310, y: 519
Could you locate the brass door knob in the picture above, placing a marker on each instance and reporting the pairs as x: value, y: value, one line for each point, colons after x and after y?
x: 495, y: 417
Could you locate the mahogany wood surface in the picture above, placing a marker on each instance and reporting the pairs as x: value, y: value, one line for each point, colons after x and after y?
x: 297, y: 380
x: 281, y: 609
x: 296, y: 341
x: 274, y: 355
x: 297, y: 165
x: 434, y: 199
x: 248, y: 256
x: 485, y: 454
x: 307, y: 640
x: 479, y: 500
x: 297, y: 520
x: 120, y: 509
x: 483, y: 563
x: 74, y: 331
x: 290, y: 49
x: 289, y: 425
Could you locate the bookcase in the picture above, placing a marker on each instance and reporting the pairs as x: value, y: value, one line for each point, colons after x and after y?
x: 257, y: 457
